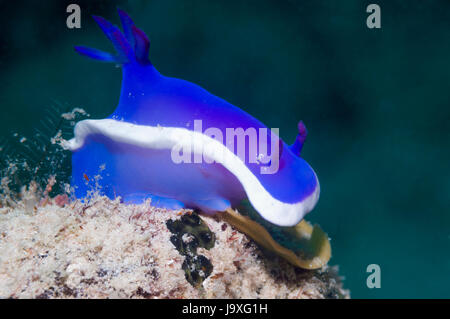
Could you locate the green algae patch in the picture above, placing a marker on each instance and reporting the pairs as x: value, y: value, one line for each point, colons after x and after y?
x: 189, y: 233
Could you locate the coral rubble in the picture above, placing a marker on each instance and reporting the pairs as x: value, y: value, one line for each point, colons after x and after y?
x: 105, y: 249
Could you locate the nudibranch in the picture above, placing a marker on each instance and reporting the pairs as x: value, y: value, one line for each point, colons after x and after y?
x: 175, y: 143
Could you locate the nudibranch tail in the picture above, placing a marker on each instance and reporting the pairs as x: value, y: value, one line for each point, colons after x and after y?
x: 131, y: 46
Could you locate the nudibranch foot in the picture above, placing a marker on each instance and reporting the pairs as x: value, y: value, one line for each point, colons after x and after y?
x: 212, y: 206
x: 313, y: 249
x: 157, y: 201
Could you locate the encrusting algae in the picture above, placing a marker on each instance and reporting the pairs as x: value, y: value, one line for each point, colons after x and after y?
x: 102, y: 248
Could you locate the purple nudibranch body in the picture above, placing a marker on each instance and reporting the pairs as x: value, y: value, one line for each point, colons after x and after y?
x: 133, y: 149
